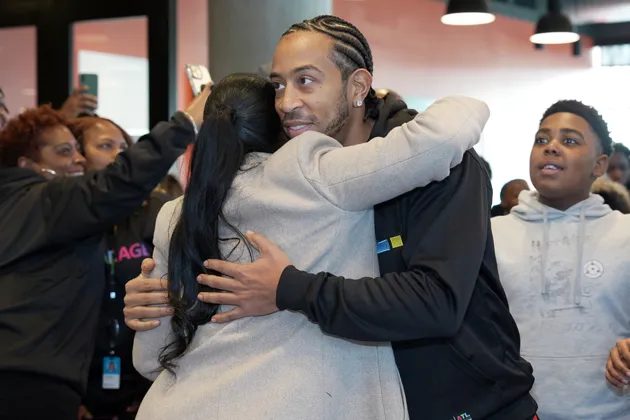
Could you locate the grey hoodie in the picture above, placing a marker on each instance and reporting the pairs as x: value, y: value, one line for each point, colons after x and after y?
x: 567, y: 278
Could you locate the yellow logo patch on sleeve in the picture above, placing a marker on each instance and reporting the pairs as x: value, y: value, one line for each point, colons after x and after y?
x: 396, y: 241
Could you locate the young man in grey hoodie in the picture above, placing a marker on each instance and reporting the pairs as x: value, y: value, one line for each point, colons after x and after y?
x: 559, y: 260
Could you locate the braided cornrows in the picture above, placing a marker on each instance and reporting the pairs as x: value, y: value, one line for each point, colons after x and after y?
x: 350, y: 52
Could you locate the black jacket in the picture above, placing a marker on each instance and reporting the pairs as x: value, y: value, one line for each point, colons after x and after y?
x: 439, y: 300
x: 51, y: 252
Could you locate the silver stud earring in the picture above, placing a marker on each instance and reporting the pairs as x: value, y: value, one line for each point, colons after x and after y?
x: 359, y: 103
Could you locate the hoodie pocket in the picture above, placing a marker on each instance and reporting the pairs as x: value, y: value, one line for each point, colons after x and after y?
x: 470, y: 370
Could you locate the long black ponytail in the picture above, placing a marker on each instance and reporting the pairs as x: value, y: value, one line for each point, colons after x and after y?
x: 239, y: 118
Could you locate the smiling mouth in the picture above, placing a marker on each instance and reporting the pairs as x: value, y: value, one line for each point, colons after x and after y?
x: 298, y: 127
x: 550, y: 169
x: 294, y: 130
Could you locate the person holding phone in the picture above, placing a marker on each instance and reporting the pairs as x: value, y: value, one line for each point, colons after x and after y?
x: 53, y: 218
x: 81, y: 102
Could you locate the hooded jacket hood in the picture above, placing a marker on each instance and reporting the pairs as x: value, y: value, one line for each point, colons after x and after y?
x: 392, y: 112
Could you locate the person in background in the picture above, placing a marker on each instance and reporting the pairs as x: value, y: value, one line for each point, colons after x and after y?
x: 128, y: 242
x: 563, y: 262
x: 619, y: 165
x: 613, y: 193
x: 171, y: 187
x: 509, y: 197
x: 4, y: 111
x: 53, y: 218
x: 439, y: 297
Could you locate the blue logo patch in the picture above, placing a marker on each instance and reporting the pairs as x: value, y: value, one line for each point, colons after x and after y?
x: 382, y: 246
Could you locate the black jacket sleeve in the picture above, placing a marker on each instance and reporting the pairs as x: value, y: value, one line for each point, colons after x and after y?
x: 445, y: 240
x: 82, y: 206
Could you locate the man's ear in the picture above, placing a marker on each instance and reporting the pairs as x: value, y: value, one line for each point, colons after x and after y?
x: 601, y: 166
x: 360, y: 83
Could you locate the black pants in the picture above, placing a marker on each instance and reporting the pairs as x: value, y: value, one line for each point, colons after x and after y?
x: 26, y: 396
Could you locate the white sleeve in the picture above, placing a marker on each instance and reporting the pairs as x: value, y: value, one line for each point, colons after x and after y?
x: 147, y: 345
x: 422, y: 151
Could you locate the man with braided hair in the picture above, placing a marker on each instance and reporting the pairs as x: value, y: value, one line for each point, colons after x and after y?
x: 439, y: 299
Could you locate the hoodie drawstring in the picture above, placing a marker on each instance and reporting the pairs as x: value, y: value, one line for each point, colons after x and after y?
x: 577, y: 287
x: 577, y: 292
x: 544, y: 250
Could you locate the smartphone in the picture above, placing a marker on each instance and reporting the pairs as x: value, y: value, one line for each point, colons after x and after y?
x: 199, y: 77
x: 91, y: 81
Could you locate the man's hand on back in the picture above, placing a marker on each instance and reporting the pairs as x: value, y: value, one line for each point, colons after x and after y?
x: 142, y: 292
x: 252, y: 287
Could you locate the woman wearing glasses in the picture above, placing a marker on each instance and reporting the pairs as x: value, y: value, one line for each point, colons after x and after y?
x: 52, y: 221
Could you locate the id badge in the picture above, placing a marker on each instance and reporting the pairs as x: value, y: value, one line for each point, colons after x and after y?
x: 111, y: 372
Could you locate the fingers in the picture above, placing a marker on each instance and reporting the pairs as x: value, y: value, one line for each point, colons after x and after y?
x: 139, y: 326
x: 260, y: 242
x: 219, y: 298
x: 88, y: 102
x: 220, y: 283
x: 141, y: 285
x: 90, y: 98
x: 616, y: 366
x: 207, y: 88
x: 229, y: 316
x: 146, y: 313
x: 144, y: 298
x: 613, y: 376
x: 624, y: 353
x: 223, y: 267
x: 83, y: 98
x: 147, y: 267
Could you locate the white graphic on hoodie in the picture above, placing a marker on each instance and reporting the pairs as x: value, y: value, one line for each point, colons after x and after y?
x: 593, y: 269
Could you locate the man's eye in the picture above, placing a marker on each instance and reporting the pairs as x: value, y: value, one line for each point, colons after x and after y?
x: 305, y: 80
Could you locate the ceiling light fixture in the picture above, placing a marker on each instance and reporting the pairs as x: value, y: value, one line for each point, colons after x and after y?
x: 467, y: 13
x: 554, y: 27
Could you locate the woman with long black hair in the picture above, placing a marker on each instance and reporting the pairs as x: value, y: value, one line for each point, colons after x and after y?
x: 314, y: 198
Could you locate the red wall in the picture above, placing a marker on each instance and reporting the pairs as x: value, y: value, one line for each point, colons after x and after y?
x: 422, y: 59
x: 127, y: 36
x: 192, y: 43
x: 17, y: 67
x: 418, y: 55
